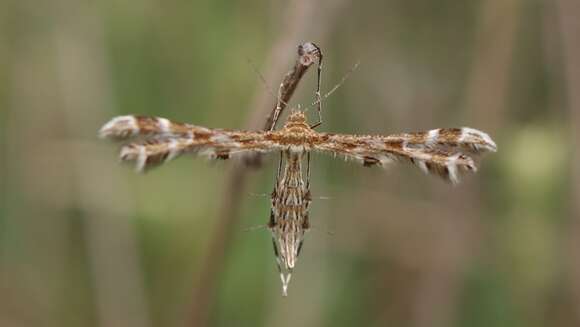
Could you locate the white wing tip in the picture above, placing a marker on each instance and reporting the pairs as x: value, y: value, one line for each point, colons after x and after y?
x: 120, y: 126
x: 489, y: 144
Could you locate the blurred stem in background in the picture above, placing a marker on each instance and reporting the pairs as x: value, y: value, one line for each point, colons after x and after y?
x: 489, y: 82
x: 60, y: 82
x: 295, y: 24
x: 456, y: 237
x: 568, y: 12
x: 83, y: 83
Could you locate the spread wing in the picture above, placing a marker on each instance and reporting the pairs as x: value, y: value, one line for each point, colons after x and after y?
x: 153, y: 140
x: 443, y: 152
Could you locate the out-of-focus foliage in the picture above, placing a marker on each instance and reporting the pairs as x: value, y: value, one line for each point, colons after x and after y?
x: 85, y: 241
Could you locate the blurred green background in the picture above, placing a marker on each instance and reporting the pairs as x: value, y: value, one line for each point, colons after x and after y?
x: 85, y: 241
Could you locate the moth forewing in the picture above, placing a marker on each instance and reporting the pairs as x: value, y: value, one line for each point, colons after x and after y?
x: 151, y: 141
x: 442, y: 152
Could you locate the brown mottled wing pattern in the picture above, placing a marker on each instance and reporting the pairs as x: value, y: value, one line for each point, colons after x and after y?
x: 157, y: 140
x: 444, y: 152
x: 465, y: 139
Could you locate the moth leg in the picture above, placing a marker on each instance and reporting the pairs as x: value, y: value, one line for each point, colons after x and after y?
x: 278, y: 109
x: 318, y: 96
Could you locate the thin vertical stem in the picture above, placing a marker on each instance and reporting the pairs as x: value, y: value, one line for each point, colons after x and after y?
x: 236, y: 179
x: 569, y: 23
x: 486, y: 94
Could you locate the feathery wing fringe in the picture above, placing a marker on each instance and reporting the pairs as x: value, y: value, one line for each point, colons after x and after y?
x: 154, y: 152
x: 127, y: 127
x: 160, y: 140
x: 443, y: 152
x: 463, y: 139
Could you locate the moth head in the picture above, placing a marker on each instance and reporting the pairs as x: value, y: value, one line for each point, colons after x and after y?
x: 297, y: 117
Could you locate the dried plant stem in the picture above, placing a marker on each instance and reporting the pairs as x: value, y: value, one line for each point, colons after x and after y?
x: 308, y: 53
x: 236, y: 179
x: 488, y: 83
x: 112, y: 247
x: 568, y: 18
x: 437, y: 295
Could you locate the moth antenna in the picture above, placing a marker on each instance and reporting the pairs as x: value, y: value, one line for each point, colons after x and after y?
x: 344, y: 78
x: 261, y: 195
x: 324, y: 198
x: 328, y: 231
x: 253, y: 228
x: 264, y: 82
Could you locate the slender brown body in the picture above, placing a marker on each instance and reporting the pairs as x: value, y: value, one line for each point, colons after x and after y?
x: 289, y: 213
